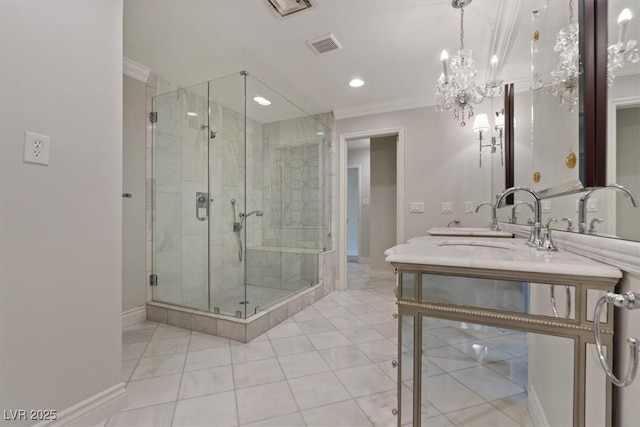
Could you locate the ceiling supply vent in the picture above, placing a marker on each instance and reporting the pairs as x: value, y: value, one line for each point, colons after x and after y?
x: 324, y: 44
x: 289, y: 7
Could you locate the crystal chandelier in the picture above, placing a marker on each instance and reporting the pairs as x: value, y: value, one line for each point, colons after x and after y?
x: 565, y: 76
x: 625, y: 49
x: 456, y: 88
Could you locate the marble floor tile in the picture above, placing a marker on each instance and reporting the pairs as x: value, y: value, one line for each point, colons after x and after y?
x: 516, y: 370
x: 487, y: 383
x: 127, y: 369
x: 251, y: 351
x: 452, y: 335
x: 265, y: 401
x: 152, y: 391
x: 318, y: 390
x: 156, y: 416
x: 362, y: 335
x: 344, y: 357
x: 515, y: 345
x: 214, y: 409
x: 328, y: 340
x: 206, y: 381
x: 292, y: 345
x: 133, y: 351
x: 515, y: 407
x: 481, y: 416
x: 201, y: 341
x: 166, y: 331
x: 438, y: 391
x: 308, y: 313
x: 365, y: 380
x: 361, y: 308
x: 299, y: 365
x: 375, y: 318
x: 285, y: 330
x: 166, y: 347
x: 346, y: 321
x: 343, y: 414
x: 291, y: 420
x: 316, y: 326
x: 258, y: 372
x: 378, y: 351
x: 158, y: 366
x: 209, y: 358
x: 450, y: 359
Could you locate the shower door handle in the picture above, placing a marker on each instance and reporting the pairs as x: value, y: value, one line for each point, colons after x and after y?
x: 202, y: 202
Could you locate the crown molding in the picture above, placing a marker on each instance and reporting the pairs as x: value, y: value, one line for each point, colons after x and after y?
x: 382, y: 107
x: 135, y: 70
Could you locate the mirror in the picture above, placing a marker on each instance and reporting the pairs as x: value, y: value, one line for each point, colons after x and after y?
x: 566, y: 147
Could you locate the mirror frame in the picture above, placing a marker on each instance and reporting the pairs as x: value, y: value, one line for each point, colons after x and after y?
x: 593, y: 104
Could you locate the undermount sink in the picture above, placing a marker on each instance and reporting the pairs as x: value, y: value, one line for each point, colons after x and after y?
x: 468, y: 231
x: 475, y: 244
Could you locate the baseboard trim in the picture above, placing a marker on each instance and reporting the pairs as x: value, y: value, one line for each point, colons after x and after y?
x: 138, y: 314
x: 93, y: 410
x: 536, y: 411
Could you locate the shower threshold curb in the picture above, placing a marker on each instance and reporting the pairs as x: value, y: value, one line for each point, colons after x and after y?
x: 235, y: 328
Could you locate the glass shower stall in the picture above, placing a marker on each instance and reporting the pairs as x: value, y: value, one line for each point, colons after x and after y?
x: 241, y: 196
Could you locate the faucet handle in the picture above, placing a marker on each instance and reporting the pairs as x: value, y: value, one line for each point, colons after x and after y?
x: 569, y: 223
x: 592, y: 225
x: 546, y: 243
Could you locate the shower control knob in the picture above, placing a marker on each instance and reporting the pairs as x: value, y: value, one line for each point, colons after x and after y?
x: 395, y: 315
x: 394, y: 363
x: 394, y: 411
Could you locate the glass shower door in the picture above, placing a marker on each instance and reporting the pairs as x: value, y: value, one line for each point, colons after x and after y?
x: 181, y: 197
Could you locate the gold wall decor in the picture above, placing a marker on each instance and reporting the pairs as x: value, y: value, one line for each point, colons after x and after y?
x: 571, y: 160
x: 536, y: 177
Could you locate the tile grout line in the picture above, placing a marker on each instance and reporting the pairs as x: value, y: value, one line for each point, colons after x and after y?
x: 175, y: 406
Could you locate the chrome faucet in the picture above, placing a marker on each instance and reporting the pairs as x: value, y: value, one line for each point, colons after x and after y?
x: 494, y: 215
x: 582, y: 206
x: 514, y: 218
x: 592, y: 225
x: 536, y: 234
x: 569, y: 223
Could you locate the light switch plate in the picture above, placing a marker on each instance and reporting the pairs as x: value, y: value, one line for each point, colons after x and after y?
x: 416, y: 207
x: 36, y: 148
x: 446, y: 207
x: 546, y: 206
x: 365, y: 202
x: 468, y: 207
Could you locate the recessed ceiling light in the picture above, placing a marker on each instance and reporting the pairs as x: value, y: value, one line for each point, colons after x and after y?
x: 261, y: 100
x: 192, y: 114
x: 356, y: 83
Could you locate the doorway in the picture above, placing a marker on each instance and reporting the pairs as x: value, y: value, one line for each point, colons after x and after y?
x: 382, y: 206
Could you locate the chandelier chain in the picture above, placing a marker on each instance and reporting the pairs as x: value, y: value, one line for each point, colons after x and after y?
x: 462, y: 28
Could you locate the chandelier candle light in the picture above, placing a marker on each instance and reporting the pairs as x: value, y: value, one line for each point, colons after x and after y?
x: 456, y: 88
x: 617, y: 52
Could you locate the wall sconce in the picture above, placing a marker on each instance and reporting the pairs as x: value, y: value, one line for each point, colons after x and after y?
x: 481, y: 124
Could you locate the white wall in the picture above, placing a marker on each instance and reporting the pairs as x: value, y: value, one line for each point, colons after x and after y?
x: 383, y: 199
x: 60, y: 226
x: 361, y: 157
x: 440, y: 162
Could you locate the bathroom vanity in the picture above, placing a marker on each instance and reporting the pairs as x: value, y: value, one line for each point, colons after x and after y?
x: 499, y: 286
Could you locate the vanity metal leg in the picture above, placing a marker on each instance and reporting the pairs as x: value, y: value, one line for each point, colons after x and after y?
x: 417, y: 370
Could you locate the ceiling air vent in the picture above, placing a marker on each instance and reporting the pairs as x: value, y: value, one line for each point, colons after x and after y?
x: 324, y: 44
x: 289, y: 7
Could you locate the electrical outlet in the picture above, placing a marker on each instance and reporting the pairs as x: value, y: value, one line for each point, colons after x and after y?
x: 592, y: 205
x: 36, y: 148
x: 546, y: 206
x: 446, y: 207
x: 365, y: 202
x: 468, y: 207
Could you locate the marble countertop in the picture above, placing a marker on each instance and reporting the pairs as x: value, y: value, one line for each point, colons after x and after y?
x: 495, y: 254
x: 468, y: 231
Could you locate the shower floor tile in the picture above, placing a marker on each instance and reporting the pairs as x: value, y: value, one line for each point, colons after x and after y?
x: 472, y: 376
